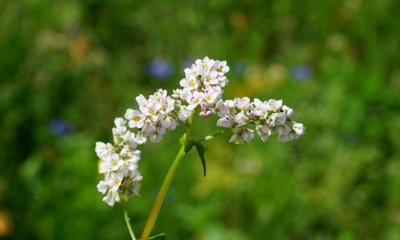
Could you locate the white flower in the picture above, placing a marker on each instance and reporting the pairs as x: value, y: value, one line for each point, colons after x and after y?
x: 115, y: 162
x: 135, y: 118
x: 102, y: 187
x: 276, y: 119
x: 298, y: 128
x: 287, y: 110
x: 136, y: 178
x: 210, y: 78
x: 190, y: 83
x: 185, y: 112
x: 155, y: 137
x: 226, y: 121
x: 114, y: 181
x: 274, y: 105
x: 104, y: 150
x: 221, y: 109
x: 211, y: 95
x: 242, y: 135
x: 263, y: 132
x: 148, y: 126
x: 204, y: 65
x: 111, y: 198
x: 242, y: 103
x: 140, y: 138
x: 130, y: 139
x: 141, y: 100
x: 230, y: 104
x: 220, y: 67
x: 241, y: 119
x: 111, y: 163
x: 283, y: 133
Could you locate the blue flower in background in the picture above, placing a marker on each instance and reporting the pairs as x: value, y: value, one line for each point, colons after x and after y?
x: 301, y: 72
x: 239, y: 68
x: 59, y: 127
x: 160, y: 69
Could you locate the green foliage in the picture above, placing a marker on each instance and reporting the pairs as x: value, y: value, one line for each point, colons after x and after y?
x: 67, y: 68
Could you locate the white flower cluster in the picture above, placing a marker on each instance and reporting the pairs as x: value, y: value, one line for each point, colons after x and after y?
x: 154, y: 116
x: 202, y: 86
x: 119, y: 164
x: 269, y: 117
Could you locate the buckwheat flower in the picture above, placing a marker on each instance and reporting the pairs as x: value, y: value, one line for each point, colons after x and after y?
x: 220, y: 67
x: 191, y: 72
x: 298, y: 128
x: 141, y: 100
x: 204, y: 65
x: 263, y: 132
x: 119, y: 130
x: 102, y: 187
x: 196, y: 99
x: 242, y: 103
x: 135, y: 178
x: 111, y: 198
x: 185, y: 112
x: 115, y: 180
x: 104, y: 150
x: 242, y: 135
x: 132, y: 164
x: 148, y: 126
x: 129, y: 138
x: 220, y: 108
x: 114, y: 163
x: 274, y: 105
x: 241, y: 119
x: 210, y: 78
x: 226, y: 121
x: 105, y: 164
x: 283, y: 133
x: 140, y: 138
x: 134, y: 117
x: 288, y: 111
x: 206, y: 109
x: 190, y: 83
x: 211, y: 95
x: 230, y: 104
x: 277, y: 119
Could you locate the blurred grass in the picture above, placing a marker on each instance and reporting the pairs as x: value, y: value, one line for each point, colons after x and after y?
x: 67, y: 68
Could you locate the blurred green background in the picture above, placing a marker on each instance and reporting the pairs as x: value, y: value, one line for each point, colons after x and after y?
x: 68, y: 68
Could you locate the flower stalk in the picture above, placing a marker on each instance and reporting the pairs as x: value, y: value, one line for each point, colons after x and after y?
x: 127, y: 221
x: 166, y: 183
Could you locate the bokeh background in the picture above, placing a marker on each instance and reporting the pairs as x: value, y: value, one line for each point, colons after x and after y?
x: 68, y: 68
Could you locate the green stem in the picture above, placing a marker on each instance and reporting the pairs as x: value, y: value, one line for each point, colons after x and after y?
x: 166, y: 183
x: 128, y: 224
x: 209, y: 137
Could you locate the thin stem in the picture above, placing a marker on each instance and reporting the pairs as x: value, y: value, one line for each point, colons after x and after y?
x: 166, y: 183
x: 209, y: 137
x: 128, y: 224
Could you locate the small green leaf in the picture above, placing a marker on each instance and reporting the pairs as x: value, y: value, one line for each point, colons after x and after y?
x: 200, y: 150
x: 189, y: 146
x: 161, y: 236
